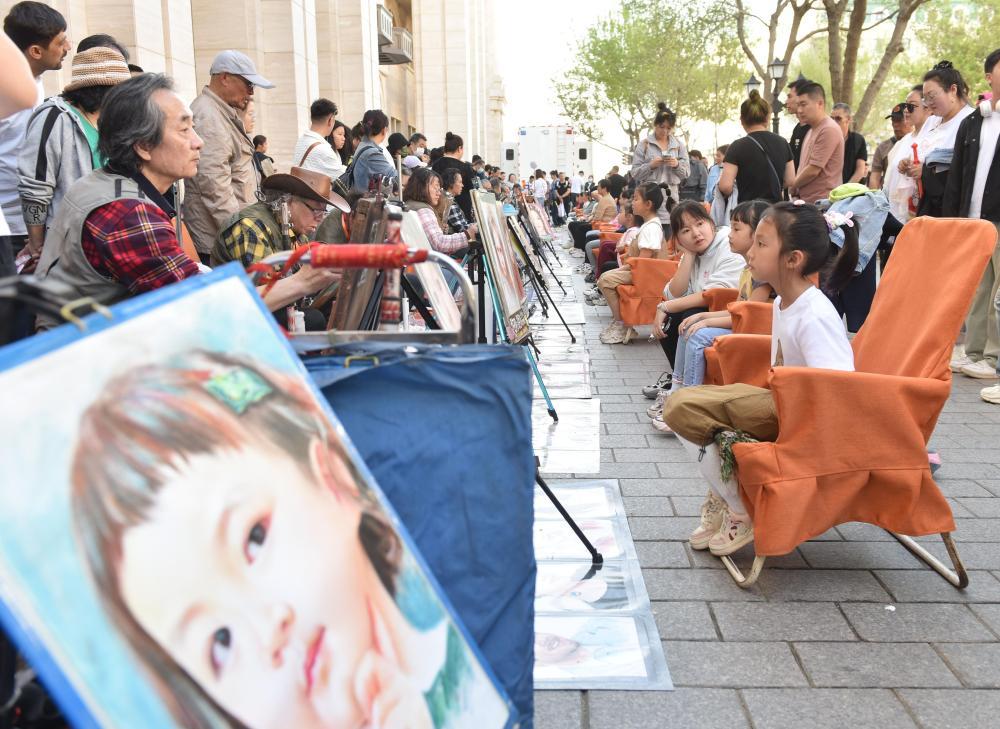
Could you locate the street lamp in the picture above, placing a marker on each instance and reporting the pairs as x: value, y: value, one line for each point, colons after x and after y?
x: 777, y: 69
x: 752, y: 84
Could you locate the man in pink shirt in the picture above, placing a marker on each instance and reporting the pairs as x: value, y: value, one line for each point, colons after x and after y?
x: 822, y: 162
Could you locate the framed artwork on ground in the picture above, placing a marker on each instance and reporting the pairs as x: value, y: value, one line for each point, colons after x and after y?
x: 188, y: 537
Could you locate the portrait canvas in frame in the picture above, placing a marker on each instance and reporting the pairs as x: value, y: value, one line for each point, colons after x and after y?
x: 503, y: 265
x: 431, y: 277
x: 188, y: 537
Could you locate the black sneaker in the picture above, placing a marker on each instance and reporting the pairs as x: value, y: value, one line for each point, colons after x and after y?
x: 663, y: 383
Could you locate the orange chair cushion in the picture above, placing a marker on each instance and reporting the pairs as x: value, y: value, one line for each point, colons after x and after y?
x: 638, y: 301
x: 718, y: 299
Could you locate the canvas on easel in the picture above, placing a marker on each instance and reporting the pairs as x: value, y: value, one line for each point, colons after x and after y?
x: 431, y: 278
x: 360, y: 285
x: 188, y: 537
x: 513, y: 299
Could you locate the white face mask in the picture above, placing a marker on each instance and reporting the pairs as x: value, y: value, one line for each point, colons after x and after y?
x: 418, y: 151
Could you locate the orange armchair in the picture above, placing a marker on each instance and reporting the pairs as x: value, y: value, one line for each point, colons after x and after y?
x: 638, y: 300
x: 743, y: 359
x: 851, y: 446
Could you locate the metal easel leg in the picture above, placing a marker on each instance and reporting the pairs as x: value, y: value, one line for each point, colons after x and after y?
x: 959, y: 578
x: 538, y: 378
x: 739, y: 578
x: 495, y: 297
x: 595, y: 556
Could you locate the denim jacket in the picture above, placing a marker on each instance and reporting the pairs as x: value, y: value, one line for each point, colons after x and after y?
x: 869, y: 211
x: 369, y: 160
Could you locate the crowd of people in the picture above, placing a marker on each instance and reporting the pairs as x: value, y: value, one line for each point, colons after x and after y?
x: 117, y: 186
x: 787, y: 221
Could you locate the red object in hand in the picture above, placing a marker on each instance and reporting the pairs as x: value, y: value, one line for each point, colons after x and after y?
x: 363, y: 255
x: 915, y: 199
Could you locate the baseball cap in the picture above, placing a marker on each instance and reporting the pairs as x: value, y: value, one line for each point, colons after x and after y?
x: 897, y: 111
x: 239, y: 64
x: 412, y: 161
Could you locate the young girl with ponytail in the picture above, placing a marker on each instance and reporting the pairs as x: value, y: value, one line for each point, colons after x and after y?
x: 792, y: 242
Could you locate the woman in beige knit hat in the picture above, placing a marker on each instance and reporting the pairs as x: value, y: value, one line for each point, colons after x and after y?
x: 61, y: 142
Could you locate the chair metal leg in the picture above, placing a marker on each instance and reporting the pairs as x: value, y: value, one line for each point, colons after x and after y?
x: 737, y: 574
x: 959, y: 578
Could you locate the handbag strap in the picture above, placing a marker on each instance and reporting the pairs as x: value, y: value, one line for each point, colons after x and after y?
x: 311, y: 148
x: 769, y: 164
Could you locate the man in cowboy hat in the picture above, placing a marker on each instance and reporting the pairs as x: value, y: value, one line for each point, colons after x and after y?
x: 114, y: 236
x: 293, y: 206
x: 227, y: 179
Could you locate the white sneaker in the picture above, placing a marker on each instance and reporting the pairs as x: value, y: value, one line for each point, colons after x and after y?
x: 661, y: 425
x: 981, y: 370
x: 596, y: 300
x: 957, y: 363
x: 657, y: 407
x: 991, y: 394
x: 713, y: 511
x: 567, y: 244
x: 614, y: 333
x: 735, y: 532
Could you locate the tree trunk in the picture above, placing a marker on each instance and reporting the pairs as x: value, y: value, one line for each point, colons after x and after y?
x: 892, y: 49
x: 852, y: 46
x: 834, y: 15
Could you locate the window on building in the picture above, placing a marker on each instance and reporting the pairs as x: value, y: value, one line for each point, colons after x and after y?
x: 583, y: 153
x: 509, y: 155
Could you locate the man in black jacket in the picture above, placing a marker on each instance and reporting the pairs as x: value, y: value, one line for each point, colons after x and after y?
x: 973, y: 191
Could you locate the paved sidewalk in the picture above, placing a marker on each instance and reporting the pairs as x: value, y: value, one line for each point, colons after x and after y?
x: 812, y: 645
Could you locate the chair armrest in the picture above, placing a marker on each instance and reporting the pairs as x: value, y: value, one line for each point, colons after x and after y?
x: 751, y: 317
x: 717, y: 299
x: 836, y: 419
x: 651, y: 274
x: 744, y: 358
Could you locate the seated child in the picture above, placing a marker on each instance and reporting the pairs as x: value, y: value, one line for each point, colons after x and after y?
x: 707, y: 263
x: 650, y: 244
x: 699, y: 330
x: 792, y: 242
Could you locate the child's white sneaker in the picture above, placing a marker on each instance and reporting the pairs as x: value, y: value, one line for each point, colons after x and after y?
x: 712, y: 514
x: 736, y: 532
x: 657, y: 407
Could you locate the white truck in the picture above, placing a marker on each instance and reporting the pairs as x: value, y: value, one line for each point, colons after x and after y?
x: 553, y: 147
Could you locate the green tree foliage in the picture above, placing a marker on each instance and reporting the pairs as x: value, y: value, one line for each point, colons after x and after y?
x: 649, y: 51
x: 961, y: 32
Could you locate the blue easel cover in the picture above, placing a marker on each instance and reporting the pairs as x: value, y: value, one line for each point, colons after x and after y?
x: 228, y: 556
x: 447, y: 434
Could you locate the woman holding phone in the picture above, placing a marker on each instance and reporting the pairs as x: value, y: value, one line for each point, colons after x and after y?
x: 662, y: 158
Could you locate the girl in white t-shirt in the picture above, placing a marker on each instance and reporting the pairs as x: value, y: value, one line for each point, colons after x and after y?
x: 792, y: 242
x: 648, y: 199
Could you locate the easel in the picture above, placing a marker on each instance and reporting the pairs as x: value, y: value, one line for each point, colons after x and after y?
x: 478, y: 264
x: 542, y: 290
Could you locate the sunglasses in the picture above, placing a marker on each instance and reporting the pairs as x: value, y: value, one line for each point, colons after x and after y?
x: 249, y: 84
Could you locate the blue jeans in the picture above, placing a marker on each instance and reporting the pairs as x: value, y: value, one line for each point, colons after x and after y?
x: 690, y: 357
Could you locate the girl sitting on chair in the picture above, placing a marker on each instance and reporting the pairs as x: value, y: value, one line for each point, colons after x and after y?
x: 792, y: 242
x: 698, y: 331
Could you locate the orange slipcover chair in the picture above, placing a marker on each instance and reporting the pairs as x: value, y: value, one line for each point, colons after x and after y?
x: 638, y: 300
x: 749, y: 318
x: 851, y: 446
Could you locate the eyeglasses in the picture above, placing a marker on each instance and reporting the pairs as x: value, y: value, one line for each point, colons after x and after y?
x: 249, y: 84
x: 317, y: 213
x: 929, y: 98
x: 905, y: 106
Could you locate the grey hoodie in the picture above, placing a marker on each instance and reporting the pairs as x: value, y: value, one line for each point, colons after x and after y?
x: 717, y: 268
x: 642, y: 171
x: 44, y: 175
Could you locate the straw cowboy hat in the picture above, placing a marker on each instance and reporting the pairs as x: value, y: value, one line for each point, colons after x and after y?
x: 306, y: 184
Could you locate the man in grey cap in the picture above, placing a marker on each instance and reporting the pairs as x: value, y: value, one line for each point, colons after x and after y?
x: 227, y: 179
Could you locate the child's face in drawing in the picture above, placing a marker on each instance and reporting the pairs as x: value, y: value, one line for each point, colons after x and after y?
x: 250, y: 573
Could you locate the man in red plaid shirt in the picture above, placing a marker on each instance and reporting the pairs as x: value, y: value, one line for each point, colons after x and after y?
x: 114, y: 237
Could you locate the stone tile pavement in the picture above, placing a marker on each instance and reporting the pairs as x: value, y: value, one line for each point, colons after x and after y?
x: 812, y: 645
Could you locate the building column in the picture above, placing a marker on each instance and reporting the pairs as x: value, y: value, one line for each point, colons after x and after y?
x: 347, y: 52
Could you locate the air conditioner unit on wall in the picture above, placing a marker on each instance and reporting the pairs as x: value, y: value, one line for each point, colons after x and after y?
x: 401, y: 50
